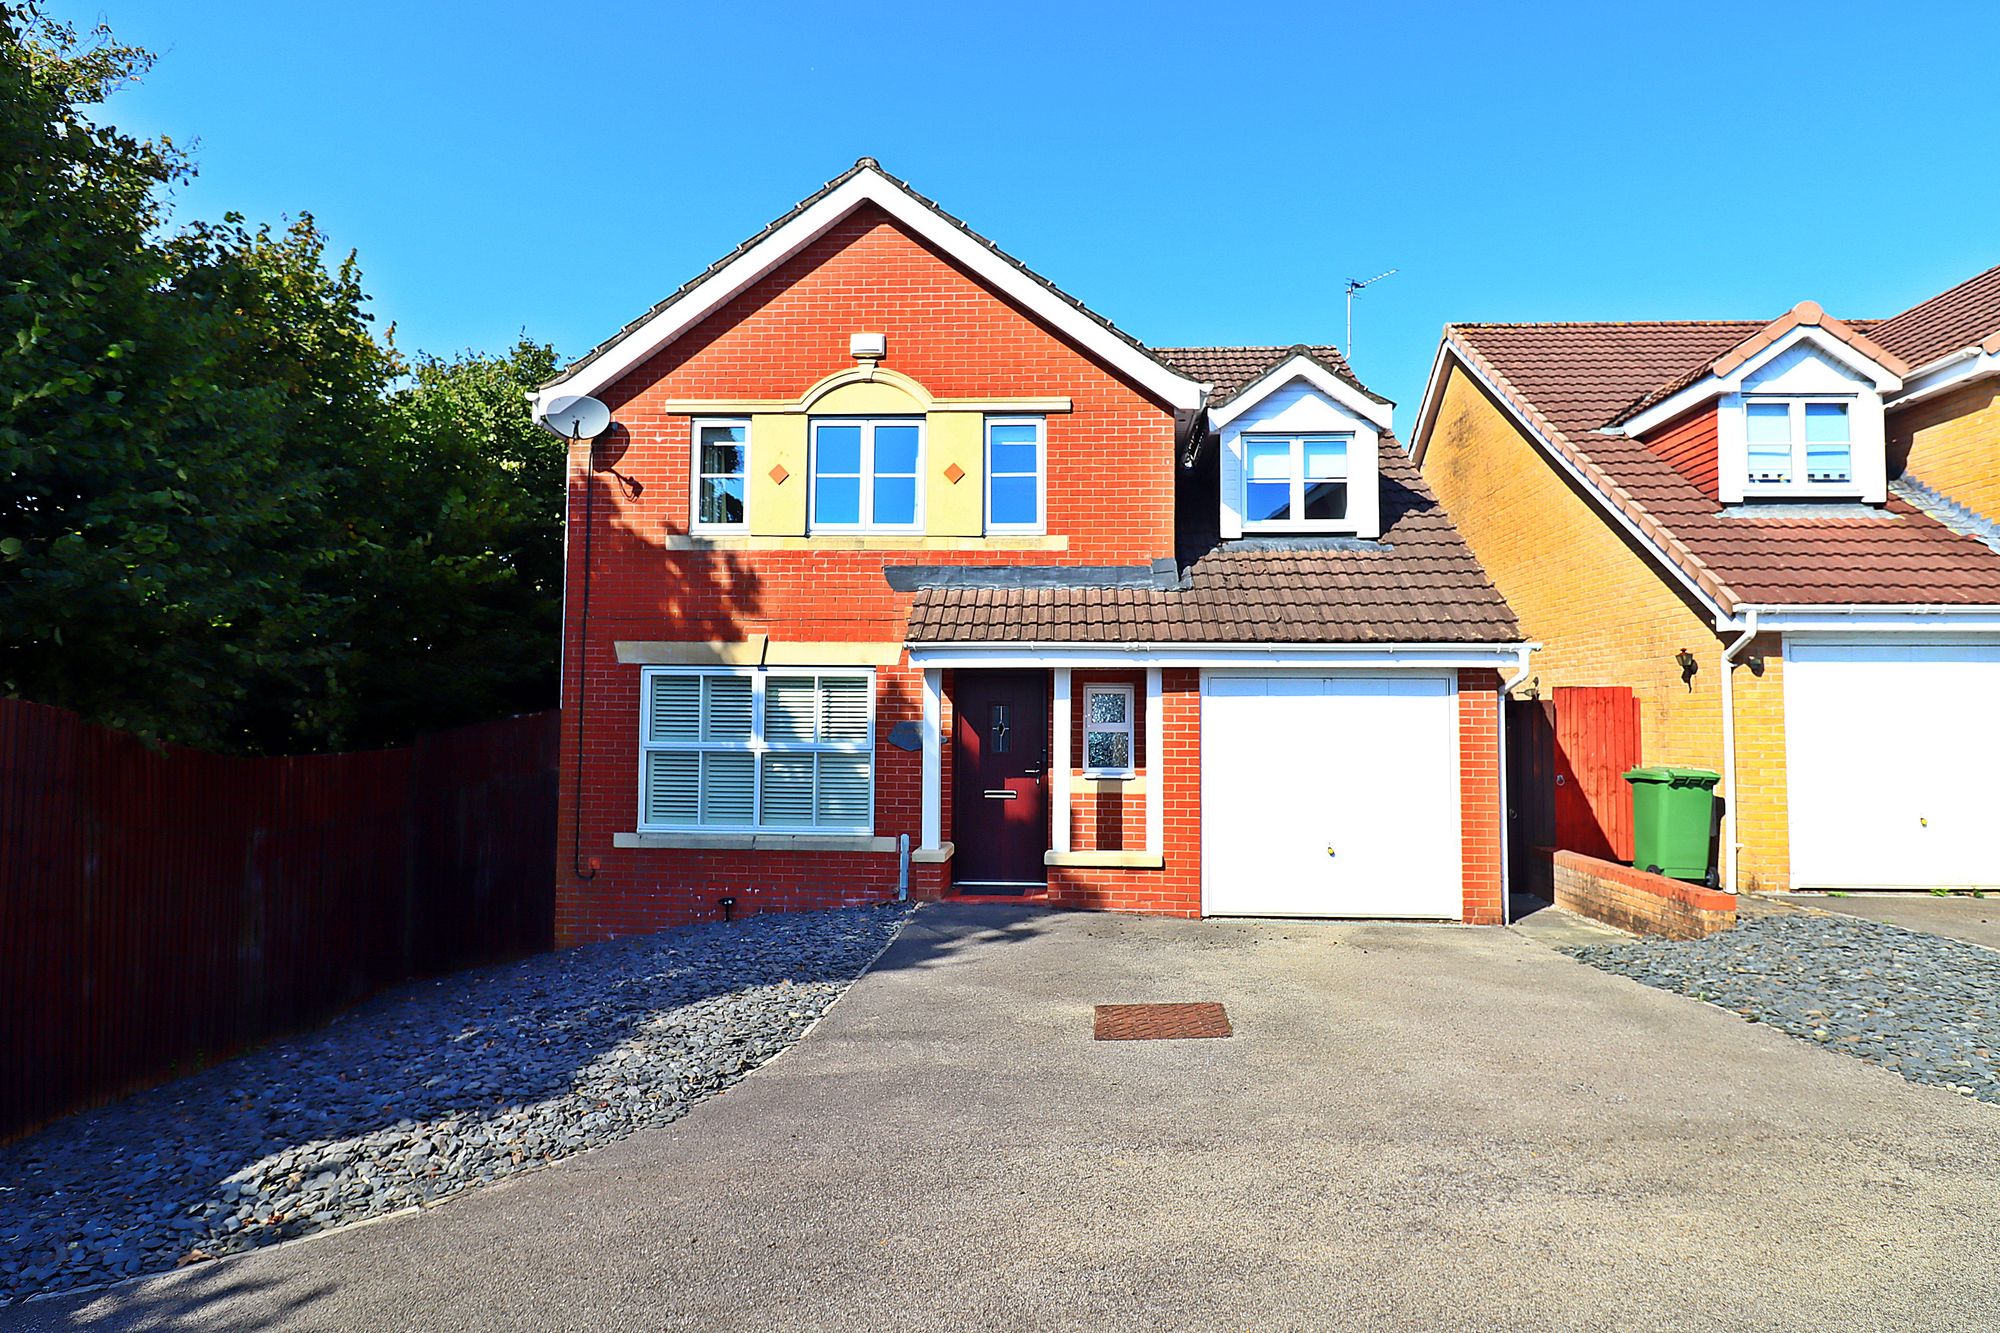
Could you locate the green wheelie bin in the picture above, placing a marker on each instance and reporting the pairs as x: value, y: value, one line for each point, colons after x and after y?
x: 1673, y: 820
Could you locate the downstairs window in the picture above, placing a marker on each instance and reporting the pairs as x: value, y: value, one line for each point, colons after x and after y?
x: 739, y: 749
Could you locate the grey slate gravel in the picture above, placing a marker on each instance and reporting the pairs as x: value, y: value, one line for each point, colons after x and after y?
x: 1922, y: 1005
x: 420, y: 1093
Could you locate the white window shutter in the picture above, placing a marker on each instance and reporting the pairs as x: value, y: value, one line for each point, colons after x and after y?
x: 844, y: 790
x: 788, y: 790
x: 676, y: 708
x: 728, y: 714
x: 728, y: 787
x: 844, y: 711
x: 673, y: 779
x: 788, y: 710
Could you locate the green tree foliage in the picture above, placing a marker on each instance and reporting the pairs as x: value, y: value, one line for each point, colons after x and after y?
x: 230, y: 514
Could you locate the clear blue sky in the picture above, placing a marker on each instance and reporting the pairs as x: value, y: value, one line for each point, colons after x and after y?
x: 1198, y: 174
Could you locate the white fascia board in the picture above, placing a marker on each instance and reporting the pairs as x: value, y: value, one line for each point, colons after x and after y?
x: 865, y: 187
x: 1598, y: 497
x: 1427, y: 406
x: 1945, y: 374
x: 1300, y: 656
x: 1882, y: 379
x: 1304, y: 368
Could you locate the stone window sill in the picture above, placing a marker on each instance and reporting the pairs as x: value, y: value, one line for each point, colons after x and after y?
x: 755, y: 842
x: 1106, y: 860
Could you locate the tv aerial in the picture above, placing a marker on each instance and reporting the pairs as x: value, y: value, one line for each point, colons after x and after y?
x: 577, y: 417
x: 1354, y: 285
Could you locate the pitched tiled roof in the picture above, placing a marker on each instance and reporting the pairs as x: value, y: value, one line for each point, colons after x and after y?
x: 1967, y: 314
x: 1419, y: 584
x: 1853, y: 332
x: 860, y: 165
x: 1232, y: 369
x: 1571, y: 379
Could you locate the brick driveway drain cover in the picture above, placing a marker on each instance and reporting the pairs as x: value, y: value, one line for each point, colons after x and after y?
x: 1160, y: 1022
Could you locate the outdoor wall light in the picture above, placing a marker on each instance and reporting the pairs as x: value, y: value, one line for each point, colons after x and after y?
x: 1688, y: 667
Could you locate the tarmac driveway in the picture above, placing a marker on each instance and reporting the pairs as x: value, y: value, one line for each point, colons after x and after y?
x: 1413, y: 1127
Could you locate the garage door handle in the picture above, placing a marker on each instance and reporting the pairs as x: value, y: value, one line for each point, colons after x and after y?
x: 1329, y: 851
x: 1003, y: 795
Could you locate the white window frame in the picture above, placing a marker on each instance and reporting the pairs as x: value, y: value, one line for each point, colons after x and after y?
x: 1801, y: 482
x: 757, y: 746
x: 868, y: 425
x: 1041, y: 523
x: 1297, y: 505
x: 1131, y: 735
x: 695, y: 523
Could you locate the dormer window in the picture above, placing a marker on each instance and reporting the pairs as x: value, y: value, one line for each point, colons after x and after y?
x: 1290, y: 480
x: 1790, y: 439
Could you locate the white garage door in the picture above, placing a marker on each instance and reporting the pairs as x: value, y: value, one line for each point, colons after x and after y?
x: 1891, y: 751
x: 1332, y: 796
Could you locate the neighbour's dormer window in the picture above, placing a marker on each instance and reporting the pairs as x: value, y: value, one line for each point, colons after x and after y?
x: 1798, y: 444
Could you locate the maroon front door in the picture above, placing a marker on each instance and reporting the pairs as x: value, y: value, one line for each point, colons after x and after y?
x: 1000, y: 811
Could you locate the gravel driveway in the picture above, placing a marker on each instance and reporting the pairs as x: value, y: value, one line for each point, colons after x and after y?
x: 419, y: 1094
x: 1923, y: 1005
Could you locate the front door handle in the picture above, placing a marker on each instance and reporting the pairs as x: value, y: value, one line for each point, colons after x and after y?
x: 1003, y: 795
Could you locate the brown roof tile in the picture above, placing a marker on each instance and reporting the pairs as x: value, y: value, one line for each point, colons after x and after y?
x: 1573, y: 378
x: 1231, y: 369
x: 1967, y: 314
x: 1420, y: 584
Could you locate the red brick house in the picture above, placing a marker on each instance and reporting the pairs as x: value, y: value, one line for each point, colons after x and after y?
x: 892, y: 544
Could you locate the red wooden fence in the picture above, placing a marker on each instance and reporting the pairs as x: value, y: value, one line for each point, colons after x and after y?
x: 161, y: 908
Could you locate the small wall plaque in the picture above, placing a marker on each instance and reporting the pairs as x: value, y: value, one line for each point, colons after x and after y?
x: 906, y: 736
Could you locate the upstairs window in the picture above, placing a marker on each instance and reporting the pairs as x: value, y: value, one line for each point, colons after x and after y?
x: 865, y: 473
x: 1294, y: 480
x: 1796, y: 443
x: 721, y: 466
x: 743, y: 750
x: 1016, y: 464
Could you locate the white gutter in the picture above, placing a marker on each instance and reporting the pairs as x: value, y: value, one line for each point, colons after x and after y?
x: 1729, y: 653
x: 1500, y: 729
x: 1945, y: 374
x: 1395, y: 656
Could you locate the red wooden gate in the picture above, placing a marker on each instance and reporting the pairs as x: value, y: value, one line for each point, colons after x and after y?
x: 1566, y: 760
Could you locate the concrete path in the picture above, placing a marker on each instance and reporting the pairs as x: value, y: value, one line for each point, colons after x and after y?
x: 1414, y: 1127
x: 1974, y: 920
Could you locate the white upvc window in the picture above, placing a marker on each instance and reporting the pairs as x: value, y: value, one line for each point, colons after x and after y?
x: 1798, y: 444
x: 866, y: 474
x: 1016, y: 474
x: 1107, y: 731
x: 1295, y: 481
x: 720, y: 500
x: 745, y: 749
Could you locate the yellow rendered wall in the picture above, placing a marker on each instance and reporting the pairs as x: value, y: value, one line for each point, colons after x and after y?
x: 1952, y: 443
x: 1603, y: 613
x: 777, y: 508
x: 954, y: 441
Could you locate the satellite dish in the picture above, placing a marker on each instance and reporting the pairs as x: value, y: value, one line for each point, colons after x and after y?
x: 577, y: 417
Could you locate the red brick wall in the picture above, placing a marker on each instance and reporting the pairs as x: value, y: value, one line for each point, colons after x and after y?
x: 1175, y: 888
x: 1642, y: 903
x: 1690, y: 445
x: 1111, y: 820
x: 1479, y: 794
x: 1110, y: 492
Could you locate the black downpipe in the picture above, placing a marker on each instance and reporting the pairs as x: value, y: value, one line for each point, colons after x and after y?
x: 583, y: 672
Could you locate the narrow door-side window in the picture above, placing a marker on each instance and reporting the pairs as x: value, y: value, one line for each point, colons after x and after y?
x: 1107, y: 731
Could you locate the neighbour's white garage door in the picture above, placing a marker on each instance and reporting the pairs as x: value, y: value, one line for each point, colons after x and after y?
x: 1891, y: 751
x: 1330, y: 795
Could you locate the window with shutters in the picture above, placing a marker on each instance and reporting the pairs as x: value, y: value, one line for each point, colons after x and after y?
x: 739, y: 749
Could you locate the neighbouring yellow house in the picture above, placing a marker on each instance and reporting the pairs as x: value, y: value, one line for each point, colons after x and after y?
x: 1783, y: 537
